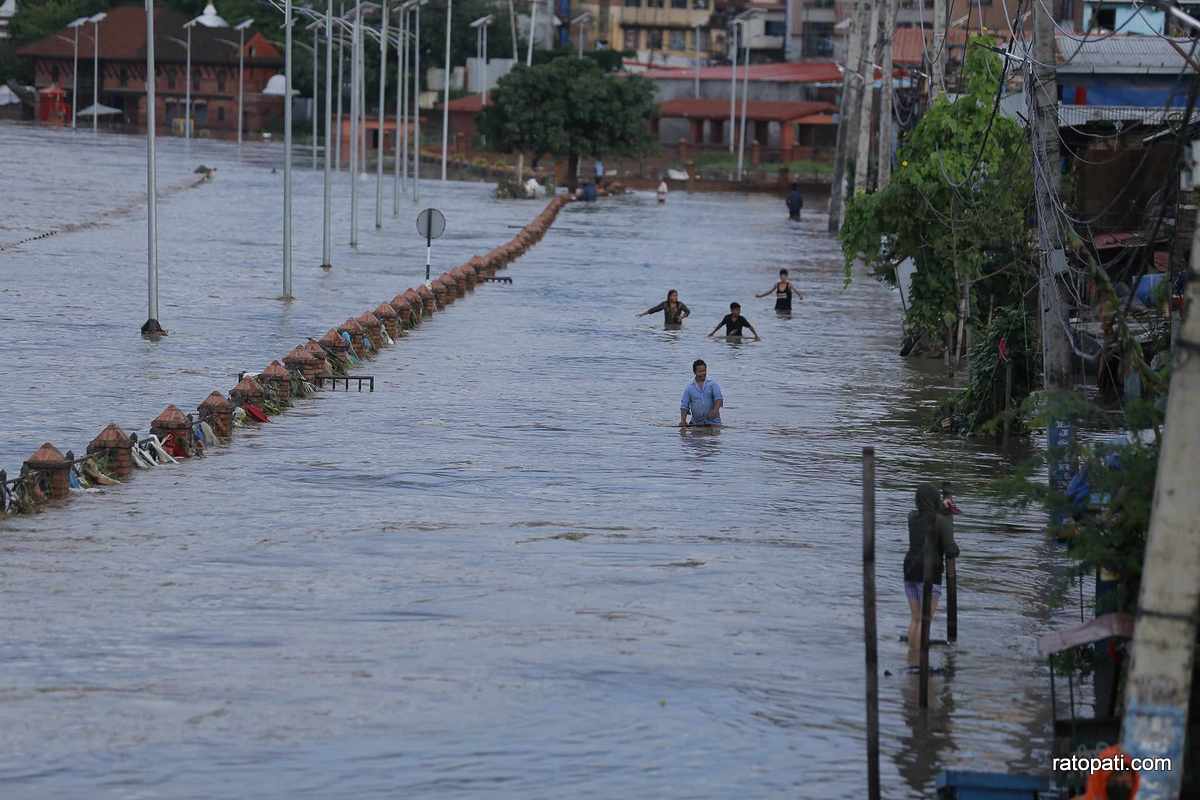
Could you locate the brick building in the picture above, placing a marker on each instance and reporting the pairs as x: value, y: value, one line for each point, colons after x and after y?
x: 123, y: 73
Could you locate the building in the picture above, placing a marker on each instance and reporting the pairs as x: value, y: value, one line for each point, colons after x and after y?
x: 660, y: 32
x: 817, y: 29
x: 8, y: 10
x: 122, y: 73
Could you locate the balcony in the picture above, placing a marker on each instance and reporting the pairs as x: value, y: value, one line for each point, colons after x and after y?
x: 642, y: 17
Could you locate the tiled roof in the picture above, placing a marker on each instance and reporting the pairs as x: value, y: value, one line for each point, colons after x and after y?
x: 123, y: 38
x: 472, y: 103
x: 792, y: 72
x: 760, y: 110
x: 909, y: 45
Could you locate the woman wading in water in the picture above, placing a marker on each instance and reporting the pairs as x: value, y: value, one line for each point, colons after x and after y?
x: 931, y: 514
x: 783, y: 290
x: 673, y: 310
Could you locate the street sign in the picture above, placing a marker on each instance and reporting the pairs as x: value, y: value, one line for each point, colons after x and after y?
x: 431, y: 224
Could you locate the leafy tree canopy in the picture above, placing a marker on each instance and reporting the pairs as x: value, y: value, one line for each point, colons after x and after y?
x: 569, y: 107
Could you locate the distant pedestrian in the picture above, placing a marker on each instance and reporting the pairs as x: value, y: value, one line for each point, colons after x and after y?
x: 931, y: 514
x: 795, y: 202
x: 733, y: 322
x: 701, y: 399
x: 599, y: 172
x: 662, y: 191
x: 783, y: 290
x: 673, y: 310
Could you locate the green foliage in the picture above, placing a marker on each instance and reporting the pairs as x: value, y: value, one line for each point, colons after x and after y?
x: 957, y: 205
x: 569, y: 107
x: 607, y: 60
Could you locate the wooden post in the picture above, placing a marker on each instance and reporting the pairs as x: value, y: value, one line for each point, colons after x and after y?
x: 870, y: 634
x: 927, y: 613
x: 951, y: 600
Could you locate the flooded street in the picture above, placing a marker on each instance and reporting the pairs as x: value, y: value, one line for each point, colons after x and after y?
x: 502, y: 572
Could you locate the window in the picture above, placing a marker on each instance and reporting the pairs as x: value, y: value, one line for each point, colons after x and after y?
x: 170, y: 79
x: 701, y: 4
x: 221, y: 81
x: 195, y: 79
x: 654, y: 39
x: 54, y: 73
x: 705, y: 42
x: 774, y: 28
x: 1106, y: 18
x: 817, y: 41
x: 123, y: 77
x: 633, y: 38
x: 655, y: 4
x: 220, y: 113
x: 678, y: 3
x: 678, y: 42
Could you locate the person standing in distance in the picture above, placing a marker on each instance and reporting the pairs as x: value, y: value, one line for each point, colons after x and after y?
x: 701, y: 400
x: 795, y: 202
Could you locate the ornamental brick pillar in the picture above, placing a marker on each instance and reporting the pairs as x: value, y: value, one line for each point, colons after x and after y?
x: 114, y: 446
x: 218, y: 412
x: 49, y: 461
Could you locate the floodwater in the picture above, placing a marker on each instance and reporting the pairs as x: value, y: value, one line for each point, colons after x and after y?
x: 501, y: 573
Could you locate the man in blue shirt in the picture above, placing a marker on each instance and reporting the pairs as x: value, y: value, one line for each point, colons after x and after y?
x: 701, y: 399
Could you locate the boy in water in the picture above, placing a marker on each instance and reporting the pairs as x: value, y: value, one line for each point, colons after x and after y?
x: 733, y: 322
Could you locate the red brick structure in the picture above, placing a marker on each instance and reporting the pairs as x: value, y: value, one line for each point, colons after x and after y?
x: 123, y: 73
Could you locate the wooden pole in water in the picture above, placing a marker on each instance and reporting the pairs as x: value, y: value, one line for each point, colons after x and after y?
x: 951, y: 600
x: 1007, y: 400
x: 870, y: 635
x: 926, y: 613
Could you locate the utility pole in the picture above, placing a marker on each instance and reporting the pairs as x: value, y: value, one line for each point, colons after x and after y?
x: 848, y: 102
x: 862, y: 160
x: 937, y: 81
x: 1159, y: 687
x: 884, y: 173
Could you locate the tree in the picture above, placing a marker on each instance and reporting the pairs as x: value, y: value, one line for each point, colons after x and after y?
x: 569, y: 107
x: 957, y: 205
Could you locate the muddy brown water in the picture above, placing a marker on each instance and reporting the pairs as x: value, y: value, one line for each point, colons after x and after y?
x: 501, y: 573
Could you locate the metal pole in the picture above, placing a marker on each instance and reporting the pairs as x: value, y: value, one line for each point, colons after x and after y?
x: 485, y: 64
x: 327, y: 217
x: 733, y: 89
x: 417, y: 110
x: 241, y: 80
x: 745, y: 99
x: 532, y: 27
x: 287, y: 150
x: 696, y: 47
x: 581, y: 40
x: 398, y: 162
x: 187, y: 78
x: 362, y: 100
x: 341, y: 48
x: 446, y: 93
x: 152, y: 323
x: 870, y: 634
x: 512, y: 27
x: 95, y: 76
x: 75, y: 80
x: 316, y: 96
x: 354, y: 126
x: 380, y: 137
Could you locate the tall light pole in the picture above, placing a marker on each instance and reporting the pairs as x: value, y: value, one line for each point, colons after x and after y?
x: 532, y: 27
x: 76, y: 24
x: 481, y: 25
x: 341, y: 48
x: 446, y: 93
x: 241, y: 29
x: 316, y: 51
x: 354, y: 125
x: 581, y: 20
x: 417, y: 106
x: 696, y: 47
x: 380, y: 138
x: 187, y: 78
x: 733, y: 86
x: 741, y: 20
x: 287, y: 150
x: 151, y: 325
x: 327, y: 216
x: 96, y: 20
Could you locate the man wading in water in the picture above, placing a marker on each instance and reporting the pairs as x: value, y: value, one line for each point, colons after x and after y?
x: 701, y: 399
x: 733, y: 322
x: 930, y: 514
x: 673, y: 310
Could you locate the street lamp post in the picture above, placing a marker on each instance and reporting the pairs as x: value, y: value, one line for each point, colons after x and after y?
x: 417, y: 107
x: 76, y: 24
x: 446, y: 94
x: 581, y: 20
x: 287, y: 150
x: 341, y: 48
x: 733, y: 86
x: 187, y: 77
x: 241, y: 29
x: 96, y: 20
x: 696, y: 47
x: 481, y: 25
x: 380, y: 138
x: 316, y: 51
x: 354, y: 126
x: 327, y: 217
x: 151, y: 325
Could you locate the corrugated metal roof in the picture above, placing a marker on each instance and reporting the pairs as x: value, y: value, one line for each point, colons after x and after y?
x: 1121, y: 54
x: 760, y: 110
x: 793, y: 72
